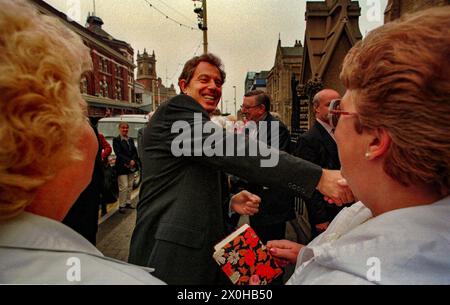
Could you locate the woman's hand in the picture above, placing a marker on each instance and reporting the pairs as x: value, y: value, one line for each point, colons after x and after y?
x: 284, y: 251
x: 245, y: 203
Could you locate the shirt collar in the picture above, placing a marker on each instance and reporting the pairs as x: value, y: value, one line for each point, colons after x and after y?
x: 327, y: 127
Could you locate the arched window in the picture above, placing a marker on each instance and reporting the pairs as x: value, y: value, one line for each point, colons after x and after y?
x: 104, y: 88
x: 84, y: 85
x: 119, y: 91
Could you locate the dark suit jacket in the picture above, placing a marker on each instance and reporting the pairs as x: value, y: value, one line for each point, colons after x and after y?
x: 125, y: 152
x: 276, y: 204
x: 319, y: 147
x: 180, y: 212
x: 83, y: 215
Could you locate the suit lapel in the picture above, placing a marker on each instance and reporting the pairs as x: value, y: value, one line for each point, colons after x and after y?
x: 327, y: 140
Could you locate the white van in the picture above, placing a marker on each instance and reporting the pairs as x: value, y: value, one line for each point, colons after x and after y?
x: 109, y: 127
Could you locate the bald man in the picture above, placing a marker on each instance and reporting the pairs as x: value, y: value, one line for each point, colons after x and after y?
x: 318, y: 146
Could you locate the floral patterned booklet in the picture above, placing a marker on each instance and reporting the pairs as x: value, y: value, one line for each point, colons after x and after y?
x: 242, y: 255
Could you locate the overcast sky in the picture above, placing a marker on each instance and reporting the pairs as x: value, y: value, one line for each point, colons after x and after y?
x: 244, y: 33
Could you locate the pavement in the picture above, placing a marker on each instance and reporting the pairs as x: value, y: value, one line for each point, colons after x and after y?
x: 115, y: 229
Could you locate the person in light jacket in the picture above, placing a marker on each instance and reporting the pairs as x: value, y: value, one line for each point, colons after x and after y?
x: 47, y: 155
x: 127, y: 162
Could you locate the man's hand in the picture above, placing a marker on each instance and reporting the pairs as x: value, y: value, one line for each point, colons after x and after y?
x: 245, y: 203
x: 335, y: 188
x: 284, y: 251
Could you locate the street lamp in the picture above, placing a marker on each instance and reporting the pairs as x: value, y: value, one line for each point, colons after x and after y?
x: 235, y: 106
x: 202, y: 22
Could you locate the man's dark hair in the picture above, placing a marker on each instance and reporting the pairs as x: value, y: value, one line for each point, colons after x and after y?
x: 262, y: 98
x: 191, y: 65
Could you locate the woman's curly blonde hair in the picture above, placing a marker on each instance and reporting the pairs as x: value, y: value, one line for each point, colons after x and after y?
x: 41, y: 108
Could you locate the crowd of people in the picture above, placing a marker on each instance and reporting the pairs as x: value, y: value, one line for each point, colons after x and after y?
x: 384, y: 144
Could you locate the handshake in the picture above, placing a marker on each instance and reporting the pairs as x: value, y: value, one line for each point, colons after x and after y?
x: 332, y: 185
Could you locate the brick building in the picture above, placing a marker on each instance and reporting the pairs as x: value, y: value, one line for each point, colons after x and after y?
x: 146, y: 75
x: 109, y: 87
x: 288, y: 62
x: 164, y: 93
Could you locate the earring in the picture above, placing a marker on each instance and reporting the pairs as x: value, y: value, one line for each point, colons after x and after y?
x: 368, y: 155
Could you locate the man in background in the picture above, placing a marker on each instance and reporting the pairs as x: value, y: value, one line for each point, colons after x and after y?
x: 276, y: 205
x: 319, y: 147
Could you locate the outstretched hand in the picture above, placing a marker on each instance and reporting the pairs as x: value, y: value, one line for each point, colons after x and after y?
x: 245, y: 203
x: 284, y: 251
x: 335, y: 188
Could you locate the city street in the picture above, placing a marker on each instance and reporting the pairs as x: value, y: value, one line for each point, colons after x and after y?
x: 115, y: 229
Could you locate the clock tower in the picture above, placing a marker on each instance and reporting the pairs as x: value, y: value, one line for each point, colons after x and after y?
x: 146, y: 72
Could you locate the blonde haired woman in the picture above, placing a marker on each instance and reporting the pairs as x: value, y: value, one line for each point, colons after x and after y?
x: 392, y: 130
x: 46, y: 156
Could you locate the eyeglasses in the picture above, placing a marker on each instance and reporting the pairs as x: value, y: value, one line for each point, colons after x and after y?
x: 335, y: 113
x: 249, y: 107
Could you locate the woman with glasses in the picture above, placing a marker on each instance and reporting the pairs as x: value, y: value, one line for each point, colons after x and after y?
x: 392, y: 131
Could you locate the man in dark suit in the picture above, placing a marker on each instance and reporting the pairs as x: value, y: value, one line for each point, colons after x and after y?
x: 180, y: 214
x: 127, y: 162
x: 276, y: 205
x: 319, y: 146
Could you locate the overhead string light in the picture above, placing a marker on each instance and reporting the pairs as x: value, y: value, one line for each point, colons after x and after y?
x: 176, y: 11
x: 169, y: 18
x: 180, y: 65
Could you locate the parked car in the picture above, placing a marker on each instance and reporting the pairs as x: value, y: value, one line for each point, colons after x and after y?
x: 109, y: 127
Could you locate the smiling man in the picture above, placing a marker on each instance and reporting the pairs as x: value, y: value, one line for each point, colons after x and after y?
x: 183, y: 199
x: 204, y: 86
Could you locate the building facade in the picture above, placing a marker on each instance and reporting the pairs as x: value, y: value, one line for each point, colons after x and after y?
x: 164, y: 93
x: 256, y: 81
x: 249, y: 79
x: 332, y: 29
x: 147, y: 76
x: 109, y: 87
x: 143, y: 97
x: 288, y: 62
